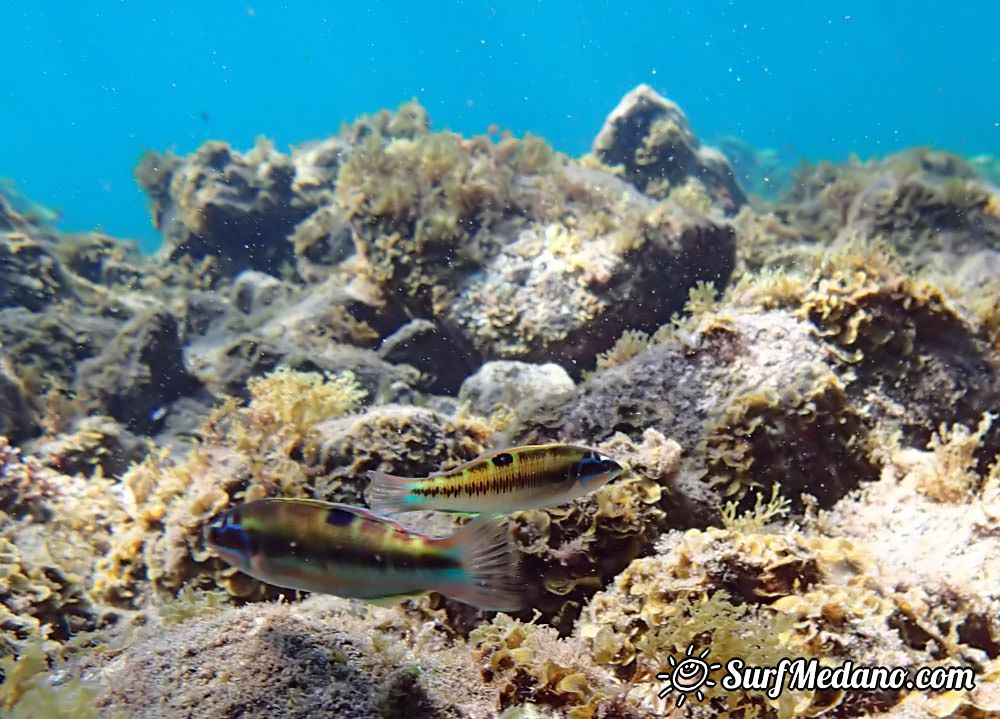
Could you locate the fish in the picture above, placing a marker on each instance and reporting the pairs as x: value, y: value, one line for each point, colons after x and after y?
x: 341, y: 549
x: 503, y: 481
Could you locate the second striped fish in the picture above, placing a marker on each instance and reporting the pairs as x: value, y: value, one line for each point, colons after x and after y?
x: 508, y: 480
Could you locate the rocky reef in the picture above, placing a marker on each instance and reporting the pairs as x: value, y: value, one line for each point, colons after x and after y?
x: 804, y: 391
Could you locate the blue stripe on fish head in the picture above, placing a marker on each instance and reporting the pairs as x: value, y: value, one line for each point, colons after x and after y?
x: 227, y: 536
x: 595, y: 469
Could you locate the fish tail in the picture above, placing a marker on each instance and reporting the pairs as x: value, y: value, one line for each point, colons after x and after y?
x: 492, y: 578
x: 389, y: 494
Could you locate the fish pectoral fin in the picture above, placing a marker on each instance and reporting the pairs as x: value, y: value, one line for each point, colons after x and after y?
x: 392, y: 599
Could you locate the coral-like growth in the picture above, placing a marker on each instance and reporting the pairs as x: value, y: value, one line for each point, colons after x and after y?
x: 737, y: 595
x: 531, y: 665
x: 287, y: 405
x: 748, y: 446
x: 752, y: 395
x: 52, y: 528
x: 457, y: 230
x: 423, y: 207
x: 23, y: 486
x: 247, y: 455
x: 28, y: 692
x: 236, y: 210
x: 575, y: 549
x: 901, y: 338
x: 312, y: 314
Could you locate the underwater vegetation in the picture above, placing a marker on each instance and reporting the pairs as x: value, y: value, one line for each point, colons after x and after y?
x: 802, y: 392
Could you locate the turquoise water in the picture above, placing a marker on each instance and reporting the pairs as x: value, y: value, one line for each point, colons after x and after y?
x: 88, y: 86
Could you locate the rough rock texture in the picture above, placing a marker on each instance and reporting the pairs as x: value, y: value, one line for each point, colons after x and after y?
x: 31, y: 275
x: 46, y: 348
x: 903, y: 588
x: 560, y: 294
x: 18, y: 418
x: 319, y: 658
x: 88, y: 445
x: 103, y: 260
x: 512, y: 385
x: 254, y: 291
x: 447, y: 230
x: 140, y: 372
x: 524, y: 254
x: 433, y: 350
x: 235, y: 210
x: 916, y: 360
x: 928, y: 206
x: 744, y: 395
x: 52, y: 529
x: 649, y: 136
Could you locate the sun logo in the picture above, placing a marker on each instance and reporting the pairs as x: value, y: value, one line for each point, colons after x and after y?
x: 687, y: 676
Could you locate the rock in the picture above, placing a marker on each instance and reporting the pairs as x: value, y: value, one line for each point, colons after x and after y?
x: 525, y: 254
x: 139, y: 373
x: 203, y: 311
x: 101, y: 259
x: 735, y: 396
x: 405, y: 440
x: 18, y: 418
x: 929, y: 206
x: 564, y: 293
x: 321, y: 241
x: 89, y: 444
x: 224, y: 363
x: 255, y: 291
x: 238, y: 210
x: 338, y: 309
x: 513, y: 385
x: 441, y: 356
x: 320, y: 658
x: 48, y: 346
x: 649, y: 136
x: 183, y: 421
x: 316, y: 166
x: 31, y: 274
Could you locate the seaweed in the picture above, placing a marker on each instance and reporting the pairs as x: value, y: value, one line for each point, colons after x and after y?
x: 29, y: 690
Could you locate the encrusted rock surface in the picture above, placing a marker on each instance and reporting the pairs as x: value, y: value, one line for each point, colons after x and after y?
x: 319, y: 658
x: 649, y: 136
x: 232, y: 209
x: 140, y: 372
x: 512, y: 385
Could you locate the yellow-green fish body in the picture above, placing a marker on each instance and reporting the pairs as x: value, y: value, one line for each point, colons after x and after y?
x: 507, y: 480
x: 351, y: 552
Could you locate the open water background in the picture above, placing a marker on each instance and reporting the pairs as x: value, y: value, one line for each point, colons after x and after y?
x: 88, y: 86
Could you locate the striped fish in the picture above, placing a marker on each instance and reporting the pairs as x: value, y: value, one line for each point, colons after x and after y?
x: 351, y: 552
x: 503, y: 481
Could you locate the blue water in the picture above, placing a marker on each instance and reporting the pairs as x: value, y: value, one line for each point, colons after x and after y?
x: 88, y: 86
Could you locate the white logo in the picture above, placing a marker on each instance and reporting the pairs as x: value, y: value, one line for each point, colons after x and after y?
x: 691, y: 674
x: 688, y: 676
